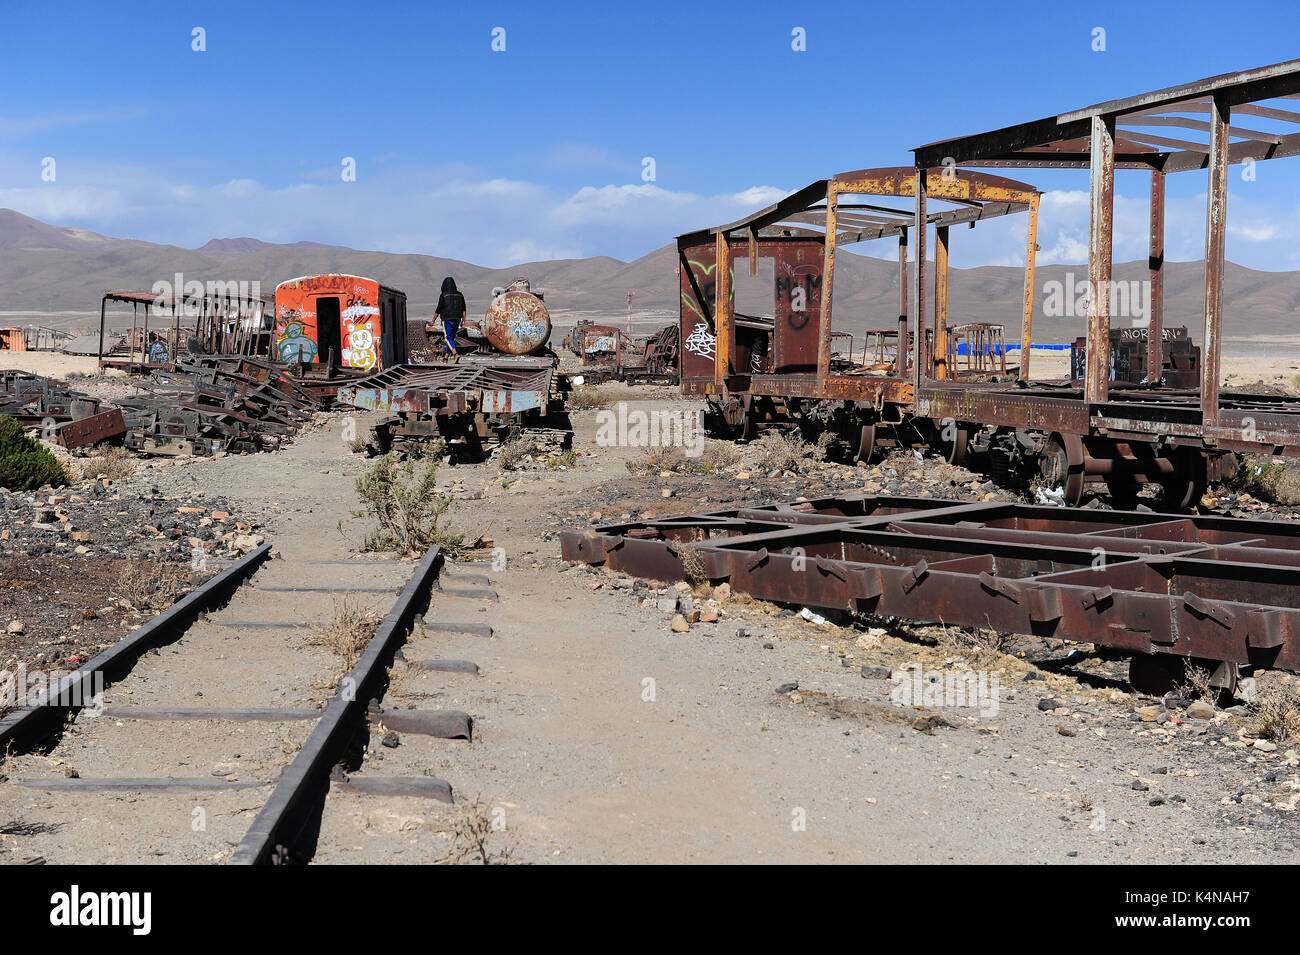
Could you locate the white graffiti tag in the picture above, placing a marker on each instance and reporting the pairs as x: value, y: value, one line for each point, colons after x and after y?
x: 702, y: 342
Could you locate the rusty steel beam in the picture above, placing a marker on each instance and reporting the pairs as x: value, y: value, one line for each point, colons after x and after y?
x: 920, y: 191
x: 1156, y: 264
x: 1216, y: 230
x: 1200, y: 588
x: 1101, y: 229
x: 828, y: 285
x: 1027, y: 315
x: 939, y: 347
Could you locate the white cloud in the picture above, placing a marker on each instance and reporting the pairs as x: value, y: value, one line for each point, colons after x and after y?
x: 456, y: 211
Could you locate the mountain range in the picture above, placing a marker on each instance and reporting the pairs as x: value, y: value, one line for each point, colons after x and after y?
x: 54, y: 276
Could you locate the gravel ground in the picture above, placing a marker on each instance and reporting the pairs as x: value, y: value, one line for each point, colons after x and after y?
x: 603, y: 735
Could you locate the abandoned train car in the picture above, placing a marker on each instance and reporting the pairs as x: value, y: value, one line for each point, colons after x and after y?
x: 1101, y: 430
x: 340, y: 320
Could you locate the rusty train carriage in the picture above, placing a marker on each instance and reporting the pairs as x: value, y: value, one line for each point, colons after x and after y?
x: 1126, y: 434
x: 1223, y: 592
x: 740, y: 360
x: 1121, y: 434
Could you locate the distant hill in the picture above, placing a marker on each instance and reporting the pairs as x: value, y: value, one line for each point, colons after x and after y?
x: 55, y: 276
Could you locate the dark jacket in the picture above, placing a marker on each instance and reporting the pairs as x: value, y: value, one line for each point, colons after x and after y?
x: 451, y: 304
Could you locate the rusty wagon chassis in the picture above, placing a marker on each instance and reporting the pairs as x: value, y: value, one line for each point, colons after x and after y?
x: 468, y: 404
x: 1163, y: 589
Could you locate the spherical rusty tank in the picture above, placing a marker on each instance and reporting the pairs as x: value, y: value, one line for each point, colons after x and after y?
x: 517, y: 321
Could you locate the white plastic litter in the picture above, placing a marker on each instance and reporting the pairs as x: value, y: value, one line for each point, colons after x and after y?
x: 1055, y: 497
x: 814, y: 617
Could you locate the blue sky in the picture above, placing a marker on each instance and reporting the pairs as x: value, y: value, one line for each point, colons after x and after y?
x: 537, y: 151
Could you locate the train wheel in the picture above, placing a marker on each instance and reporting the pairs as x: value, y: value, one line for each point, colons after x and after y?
x: 1183, y: 488
x: 1155, y: 674
x: 1123, y: 493
x: 724, y: 418
x: 748, y: 417
x: 1061, y: 465
x: 867, y: 443
x: 953, y: 448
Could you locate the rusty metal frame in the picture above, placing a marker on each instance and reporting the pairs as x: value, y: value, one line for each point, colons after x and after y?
x: 1208, y: 588
x: 1115, y: 135
x: 817, y: 214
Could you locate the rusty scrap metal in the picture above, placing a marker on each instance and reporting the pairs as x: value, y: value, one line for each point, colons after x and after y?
x: 480, y: 397
x: 1213, y: 589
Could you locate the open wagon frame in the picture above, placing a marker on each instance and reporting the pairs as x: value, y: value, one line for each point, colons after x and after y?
x: 1165, y: 590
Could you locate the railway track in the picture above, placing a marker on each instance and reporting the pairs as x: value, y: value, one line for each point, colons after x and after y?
x: 221, y: 735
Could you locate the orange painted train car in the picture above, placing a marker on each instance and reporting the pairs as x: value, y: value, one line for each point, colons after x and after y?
x: 357, y: 321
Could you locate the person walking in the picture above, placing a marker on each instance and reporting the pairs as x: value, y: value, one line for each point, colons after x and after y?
x: 451, y: 310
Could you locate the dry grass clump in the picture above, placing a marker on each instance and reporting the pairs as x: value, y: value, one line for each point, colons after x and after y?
x: 511, y: 454
x: 693, y: 569
x: 347, y: 633
x: 977, y: 646
x: 718, y: 456
x: 668, y: 458
x: 472, y: 833
x: 146, y: 585
x: 781, y: 450
x: 586, y: 398
x: 1276, y: 713
x: 1196, y: 685
x: 111, y: 462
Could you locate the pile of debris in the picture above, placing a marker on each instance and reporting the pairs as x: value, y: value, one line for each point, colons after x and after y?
x: 197, y: 407
x: 108, y: 520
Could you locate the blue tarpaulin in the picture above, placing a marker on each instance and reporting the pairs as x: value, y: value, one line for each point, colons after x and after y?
x: 963, y: 348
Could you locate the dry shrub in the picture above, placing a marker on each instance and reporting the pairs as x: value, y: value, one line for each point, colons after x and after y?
x: 668, y: 458
x: 781, y: 450
x: 471, y: 835
x: 347, y: 633
x: 1196, y: 685
x: 113, y: 463
x: 719, y: 455
x: 693, y: 569
x: 1276, y: 713
x: 975, y: 646
x: 405, y: 500
x: 511, y: 454
x: 151, y: 586
x: 586, y: 398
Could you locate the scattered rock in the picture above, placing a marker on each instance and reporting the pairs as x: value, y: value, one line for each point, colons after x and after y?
x: 1048, y: 704
x: 679, y: 624
x: 787, y: 687
x: 1200, y: 710
x: 391, y: 740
